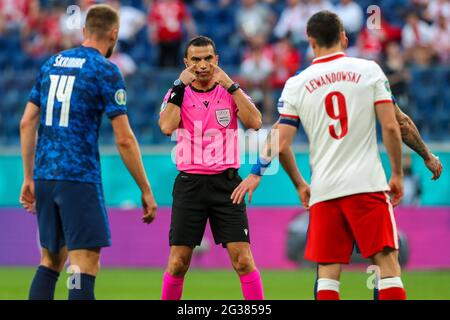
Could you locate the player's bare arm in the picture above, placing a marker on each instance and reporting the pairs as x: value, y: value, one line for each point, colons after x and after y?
x: 392, y: 141
x: 131, y: 155
x: 170, y: 117
x: 411, y: 137
x: 28, y: 136
x: 285, y: 134
x: 248, y: 113
x: 289, y: 164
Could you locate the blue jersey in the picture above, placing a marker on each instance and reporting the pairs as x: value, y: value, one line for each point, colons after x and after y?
x: 73, y: 90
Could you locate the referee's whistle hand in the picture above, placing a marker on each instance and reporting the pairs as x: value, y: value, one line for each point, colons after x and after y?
x: 149, y: 206
x: 249, y: 185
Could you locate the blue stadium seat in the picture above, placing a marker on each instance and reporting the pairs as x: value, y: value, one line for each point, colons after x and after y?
x: 423, y: 89
x: 4, y: 60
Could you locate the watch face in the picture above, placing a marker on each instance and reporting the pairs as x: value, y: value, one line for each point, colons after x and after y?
x: 177, y: 82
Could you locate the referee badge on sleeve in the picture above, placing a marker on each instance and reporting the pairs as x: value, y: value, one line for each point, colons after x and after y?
x: 223, y: 117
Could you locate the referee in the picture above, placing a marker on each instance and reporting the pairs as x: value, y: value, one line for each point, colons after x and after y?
x: 203, y: 107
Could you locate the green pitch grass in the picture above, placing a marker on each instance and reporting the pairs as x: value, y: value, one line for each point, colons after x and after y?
x: 224, y: 284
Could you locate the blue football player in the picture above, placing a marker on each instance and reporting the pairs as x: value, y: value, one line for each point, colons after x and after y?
x: 62, y: 181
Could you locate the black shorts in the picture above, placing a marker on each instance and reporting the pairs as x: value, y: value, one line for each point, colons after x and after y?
x: 199, y: 197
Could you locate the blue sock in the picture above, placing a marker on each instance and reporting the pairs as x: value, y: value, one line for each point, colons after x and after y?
x: 43, y: 285
x: 86, y: 290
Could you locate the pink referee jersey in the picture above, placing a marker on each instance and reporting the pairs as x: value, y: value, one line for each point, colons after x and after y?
x: 207, y: 138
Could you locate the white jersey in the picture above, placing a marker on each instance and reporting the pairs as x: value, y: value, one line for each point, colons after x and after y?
x: 335, y: 101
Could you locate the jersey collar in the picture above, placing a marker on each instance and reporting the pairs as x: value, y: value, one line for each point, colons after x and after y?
x: 329, y: 57
x: 203, y: 91
x: 92, y: 49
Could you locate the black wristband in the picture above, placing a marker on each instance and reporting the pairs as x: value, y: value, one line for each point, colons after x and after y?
x: 233, y: 88
x: 177, y: 93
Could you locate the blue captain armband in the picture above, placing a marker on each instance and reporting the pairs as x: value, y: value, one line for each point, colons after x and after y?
x: 260, y: 167
x: 290, y: 120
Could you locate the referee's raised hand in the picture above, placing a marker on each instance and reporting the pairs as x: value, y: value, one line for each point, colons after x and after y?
x: 188, y: 75
x: 220, y: 76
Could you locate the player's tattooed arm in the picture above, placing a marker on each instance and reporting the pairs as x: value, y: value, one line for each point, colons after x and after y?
x: 289, y: 164
x: 411, y: 137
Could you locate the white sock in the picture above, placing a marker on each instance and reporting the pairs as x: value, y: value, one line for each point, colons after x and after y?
x: 327, y: 284
x: 394, y: 282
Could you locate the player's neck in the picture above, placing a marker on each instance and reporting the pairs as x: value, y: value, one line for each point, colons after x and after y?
x: 203, y: 86
x: 102, y: 47
x: 322, y: 52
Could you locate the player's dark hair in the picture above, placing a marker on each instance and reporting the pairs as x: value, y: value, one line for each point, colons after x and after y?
x: 199, y: 41
x: 101, y: 19
x: 325, y: 26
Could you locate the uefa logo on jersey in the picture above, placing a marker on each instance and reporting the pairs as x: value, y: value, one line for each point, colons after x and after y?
x: 388, y: 87
x: 121, y: 97
x: 223, y: 117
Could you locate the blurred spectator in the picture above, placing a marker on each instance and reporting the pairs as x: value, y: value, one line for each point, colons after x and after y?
x: 72, y: 33
x: 123, y: 61
x: 2, y: 24
x: 441, y: 39
x: 206, y: 5
x: 419, y: 7
x: 14, y: 12
x: 255, y: 72
x: 166, y: 20
x: 417, y: 36
x: 352, y: 17
x: 294, y: 17
x: 254, y: 19
x: 437, y: 8
x: 314, y: 6
x: 293, y: 21
x: 372, y: 41
x: 394, y: 67
x: 411, y: 184
x: 132, y: 20
x: 286, y: 61
x: 42, y: 34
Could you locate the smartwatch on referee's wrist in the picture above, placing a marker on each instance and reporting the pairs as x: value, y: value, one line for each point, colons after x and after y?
x: 233, y: 88
x: 177, y: 93
x: 178, y: 82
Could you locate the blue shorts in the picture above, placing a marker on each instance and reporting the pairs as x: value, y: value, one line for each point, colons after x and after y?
x: 71, y: 214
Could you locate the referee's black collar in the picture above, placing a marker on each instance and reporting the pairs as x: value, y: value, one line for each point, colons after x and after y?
x: 203, y: 91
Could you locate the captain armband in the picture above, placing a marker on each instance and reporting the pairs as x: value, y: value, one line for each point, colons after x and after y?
x: 290, y: 120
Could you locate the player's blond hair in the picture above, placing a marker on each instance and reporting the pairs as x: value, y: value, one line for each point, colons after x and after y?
x: 101, y: 19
